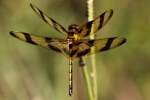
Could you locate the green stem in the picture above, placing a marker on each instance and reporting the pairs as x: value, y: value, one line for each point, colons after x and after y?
x: 90, y: 78
x: 92, y: 36
x: 88, y: 82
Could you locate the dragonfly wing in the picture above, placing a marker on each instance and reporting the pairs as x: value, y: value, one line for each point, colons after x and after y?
x: 48, y: 20
x: 97, y: 23
x: 85, y: 47
x: 58, y: 45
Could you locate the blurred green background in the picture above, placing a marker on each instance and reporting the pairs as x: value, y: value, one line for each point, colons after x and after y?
x: 29, y: 72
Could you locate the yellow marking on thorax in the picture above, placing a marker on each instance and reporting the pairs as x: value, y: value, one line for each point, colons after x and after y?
x: 76, y: 37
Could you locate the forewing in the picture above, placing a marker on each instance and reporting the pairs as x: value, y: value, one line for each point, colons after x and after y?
x: 48, y: 20
x: 98, y: 45
x: 97, y: 23
x: 58, y: 45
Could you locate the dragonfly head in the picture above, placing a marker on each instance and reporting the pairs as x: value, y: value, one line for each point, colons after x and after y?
x: 73, y: 29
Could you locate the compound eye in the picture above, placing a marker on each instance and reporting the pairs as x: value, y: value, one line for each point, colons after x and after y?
x: 77, y: 27
x: 70, y: 27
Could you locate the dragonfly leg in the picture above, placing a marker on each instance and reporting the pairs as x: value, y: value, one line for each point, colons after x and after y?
x: 81, y: 62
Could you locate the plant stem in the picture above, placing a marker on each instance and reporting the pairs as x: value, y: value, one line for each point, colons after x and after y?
x: 88, y: 82
x: 92, y: 36
x: 90, y: 78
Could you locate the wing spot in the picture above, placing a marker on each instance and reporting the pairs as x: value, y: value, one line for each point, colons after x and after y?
x: 89, y: 26
x: 73, y: 52
x: 47, y: 39
x: 91, y: 43
x: 12, y: 33
x: 108, y: 44
x: 54, y: 48
x: 123, y: 41
x: 101, y: 20
x: 84, y: 52
x: 28, y: 38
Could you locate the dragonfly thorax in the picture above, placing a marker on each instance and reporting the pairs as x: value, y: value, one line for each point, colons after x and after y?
x: 73, y: 31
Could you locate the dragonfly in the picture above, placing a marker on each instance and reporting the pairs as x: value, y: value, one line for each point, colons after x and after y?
x: 76, y: 43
